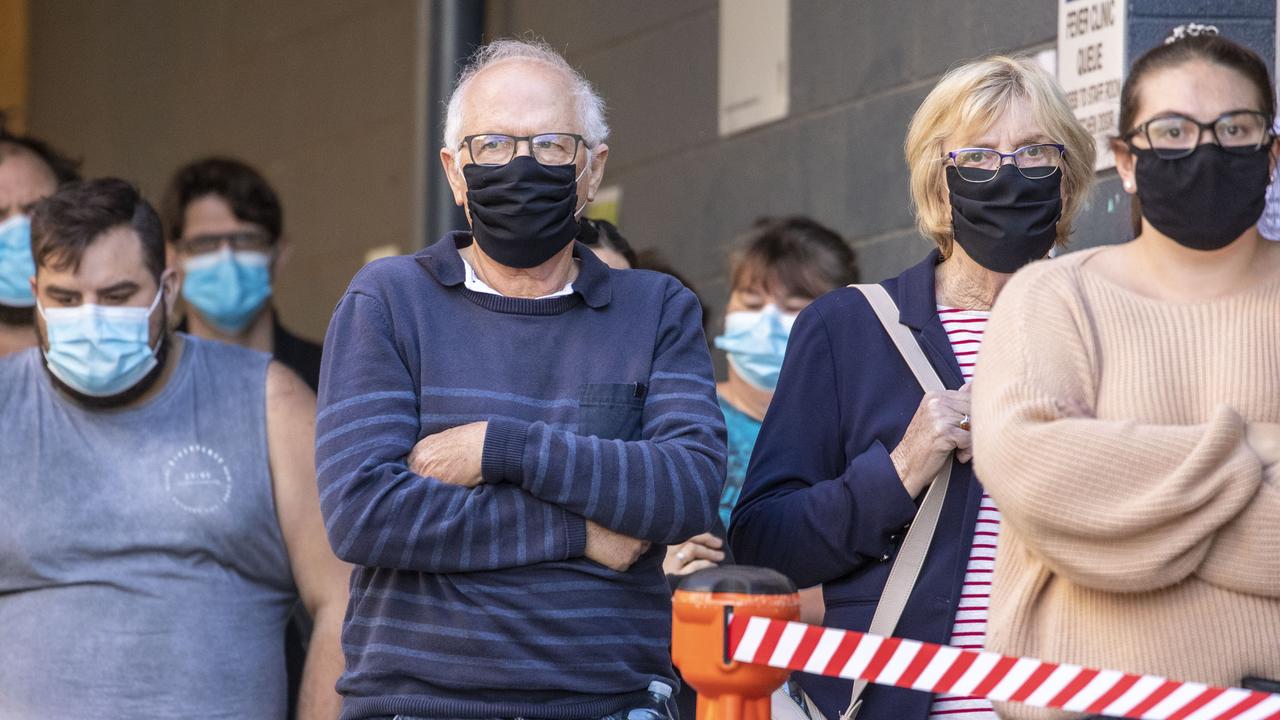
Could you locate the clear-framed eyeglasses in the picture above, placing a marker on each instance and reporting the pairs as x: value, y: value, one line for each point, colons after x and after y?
x: 547, y: 148
x: 1176, y: 136
x: 1035, y: 162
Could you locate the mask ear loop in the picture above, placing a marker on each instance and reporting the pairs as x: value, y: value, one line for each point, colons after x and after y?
x: 154, y: 304
x: 585, y: 168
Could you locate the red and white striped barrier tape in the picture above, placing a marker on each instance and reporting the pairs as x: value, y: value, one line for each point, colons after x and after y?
x: 942, y: 669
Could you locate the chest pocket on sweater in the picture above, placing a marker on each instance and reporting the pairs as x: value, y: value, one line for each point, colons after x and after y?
x: 611, y: 411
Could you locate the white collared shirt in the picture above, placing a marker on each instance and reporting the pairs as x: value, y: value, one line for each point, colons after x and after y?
x: 473, y: 283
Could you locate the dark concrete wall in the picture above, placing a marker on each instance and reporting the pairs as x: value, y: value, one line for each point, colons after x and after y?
x: 859, y: 70
x: 1251, y: 22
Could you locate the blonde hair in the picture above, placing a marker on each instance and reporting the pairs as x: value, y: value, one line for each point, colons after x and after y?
x: 971, y: 96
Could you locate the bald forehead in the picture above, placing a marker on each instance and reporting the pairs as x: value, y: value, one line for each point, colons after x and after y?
x: 24, y: 176
x: 23, y: 157
x: 520, y: 97
x: 536, y: 74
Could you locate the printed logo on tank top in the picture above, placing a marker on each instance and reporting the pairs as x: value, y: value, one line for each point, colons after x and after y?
x: 198, y: 480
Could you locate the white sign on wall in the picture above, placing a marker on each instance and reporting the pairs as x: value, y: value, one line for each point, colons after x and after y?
x: 1091, y: 66
x: 755, y: 63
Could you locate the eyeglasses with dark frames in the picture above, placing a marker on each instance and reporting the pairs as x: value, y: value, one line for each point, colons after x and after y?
x: 238, y: 241
x: 1174, y: 136
x: 546, y: 148
x: 1035, y: 162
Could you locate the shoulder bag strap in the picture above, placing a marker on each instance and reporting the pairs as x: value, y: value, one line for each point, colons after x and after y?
x: 906, y: 568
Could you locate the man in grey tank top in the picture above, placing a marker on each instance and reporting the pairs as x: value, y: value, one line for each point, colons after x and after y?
x: 160, y: 513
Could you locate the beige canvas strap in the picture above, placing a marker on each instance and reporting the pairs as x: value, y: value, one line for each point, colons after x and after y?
x: 906, y: 568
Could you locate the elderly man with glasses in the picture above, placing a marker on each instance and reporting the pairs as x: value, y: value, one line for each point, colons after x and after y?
x: 510, y: 432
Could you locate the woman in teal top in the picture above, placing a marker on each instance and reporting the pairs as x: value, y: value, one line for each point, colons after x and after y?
x: 743, y: 429
x: 780, y: 266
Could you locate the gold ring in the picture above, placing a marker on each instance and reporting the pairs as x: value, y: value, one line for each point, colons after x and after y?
x: 964, y: 422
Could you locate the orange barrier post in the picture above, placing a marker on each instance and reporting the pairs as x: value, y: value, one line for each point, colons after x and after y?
x: 702, y: 607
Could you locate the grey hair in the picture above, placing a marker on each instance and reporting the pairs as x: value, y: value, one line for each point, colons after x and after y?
x: 589, y: 104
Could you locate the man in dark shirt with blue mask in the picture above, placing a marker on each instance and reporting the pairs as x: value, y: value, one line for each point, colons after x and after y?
x: 510, y: 432
x: 226, y: 232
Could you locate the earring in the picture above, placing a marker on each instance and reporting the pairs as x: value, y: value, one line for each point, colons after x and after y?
x: 1128, y: 185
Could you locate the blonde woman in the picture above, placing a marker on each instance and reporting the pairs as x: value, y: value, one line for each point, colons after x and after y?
x: 1127, y: 404
x: 999, y: 168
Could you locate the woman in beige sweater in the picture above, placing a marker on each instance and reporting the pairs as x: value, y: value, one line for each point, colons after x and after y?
x: 1127, y: 401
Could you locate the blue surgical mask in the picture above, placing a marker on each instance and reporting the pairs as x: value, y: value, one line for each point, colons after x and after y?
x: 99, y: 350
x: 16, y: 265
x: 755, y: 341
x: 228, y: 288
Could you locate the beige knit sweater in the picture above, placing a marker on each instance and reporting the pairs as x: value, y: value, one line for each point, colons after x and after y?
x: 1144, y: 536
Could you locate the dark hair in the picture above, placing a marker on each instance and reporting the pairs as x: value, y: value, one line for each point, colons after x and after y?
x: 796, y: 255
x: 248, y: 193
x: 64, y: 224
x: 604, y: 233
x: 65, y: 170
x: 1210, y: 48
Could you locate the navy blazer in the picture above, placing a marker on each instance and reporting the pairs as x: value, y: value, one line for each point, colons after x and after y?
x: 823, y: 503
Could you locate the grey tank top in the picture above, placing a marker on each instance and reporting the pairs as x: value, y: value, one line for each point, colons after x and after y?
x: 143, y: 573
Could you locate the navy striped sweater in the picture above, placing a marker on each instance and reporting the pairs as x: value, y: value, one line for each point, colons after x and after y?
x: 601, y: 405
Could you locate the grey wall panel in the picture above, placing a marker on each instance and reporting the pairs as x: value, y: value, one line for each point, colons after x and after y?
x: 843, y: 167
x: 897, y: 250
x: 1207, y: 9
x: 1251, y: 22
x: 1107, y: 219
x: 661, y: 90
x: 845, y: 50
x: 1148, y: 32
x: 580, y: 28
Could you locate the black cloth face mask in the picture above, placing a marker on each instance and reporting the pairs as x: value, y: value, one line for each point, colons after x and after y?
x: 524, y: 212
x: 1008, y: 221
x: 1206, y: 200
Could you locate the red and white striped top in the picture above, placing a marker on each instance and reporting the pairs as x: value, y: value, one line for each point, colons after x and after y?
x: 964, y: 329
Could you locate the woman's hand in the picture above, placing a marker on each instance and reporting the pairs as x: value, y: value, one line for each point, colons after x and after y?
x: 940, y: 427
x: 697, y: 553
